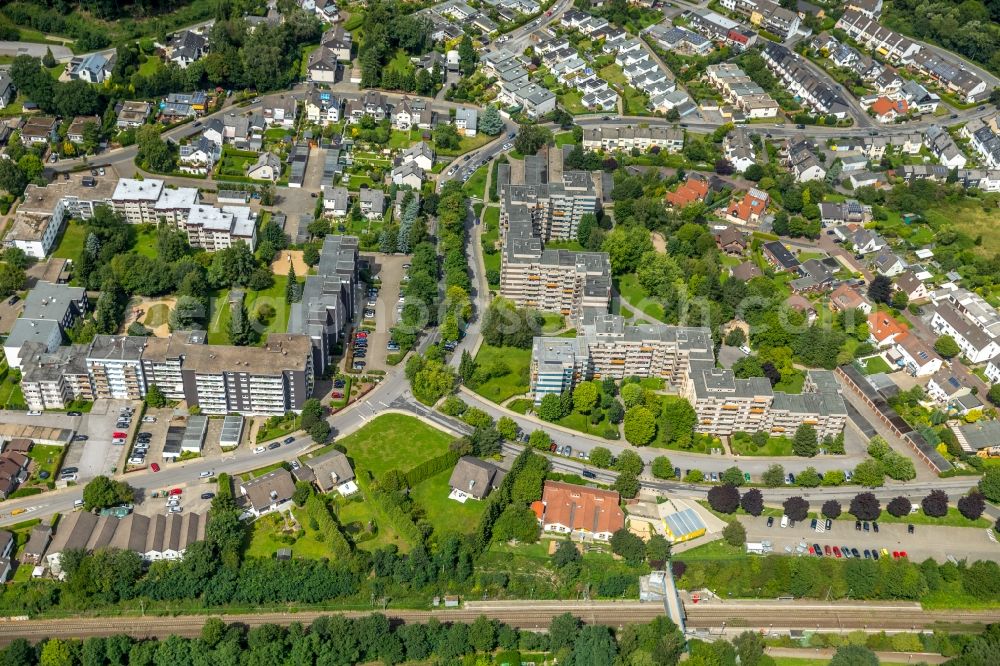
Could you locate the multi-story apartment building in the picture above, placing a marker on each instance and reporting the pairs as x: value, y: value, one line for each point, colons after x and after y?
x: 551, y: 280
x: 114, y: 363
x: 136, y: 199
x: 740, y: 90
x: 606, y: 347
x: 214, y: 229
x: 41, y: 215
x: 725, y: 404
x: 970, y: 320
x: 53, y: 380
x: 328, y: 298
x: 175, y: 204
x: 767, y: 15
x: 552, y: 198
x: 220, y: 379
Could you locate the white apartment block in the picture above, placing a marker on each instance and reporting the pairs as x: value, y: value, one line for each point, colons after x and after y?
x: 725, y: 404
x: 606, y: 347
x: 974, y: 323
x: 136, y: 199
x: 552, y: 199
x: 610, y: 139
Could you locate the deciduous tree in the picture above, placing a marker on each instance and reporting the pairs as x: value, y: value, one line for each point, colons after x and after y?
x: 898, y: 507
x: 935, y: 504
x: 752, y: 502
x: 865, y: 506
x: 796, y: 508
x: 724, y: 498
x: 831, y: 509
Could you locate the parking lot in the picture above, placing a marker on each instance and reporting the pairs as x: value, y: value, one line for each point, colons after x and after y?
x: 158, y: 436
x: 97, y: 455
x: 189, y: 500
x: 933, y: 541
x: 390, y: 271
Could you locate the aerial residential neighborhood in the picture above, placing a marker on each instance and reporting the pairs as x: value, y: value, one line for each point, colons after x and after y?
x: 499, y: 331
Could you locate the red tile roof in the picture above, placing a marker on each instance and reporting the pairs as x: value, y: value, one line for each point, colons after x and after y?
x: 579, y: 508
x: 690, y: 191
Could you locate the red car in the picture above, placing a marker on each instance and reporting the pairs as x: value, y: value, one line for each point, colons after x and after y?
x: 836, y: 551
x: 120, y: 435
x: 895, y: 554
x: 826, y: 549
x: 175, y: 491
x: 902, y: 553
x: 811, y: 551
x: 361, y: 334
x: 155, y: 467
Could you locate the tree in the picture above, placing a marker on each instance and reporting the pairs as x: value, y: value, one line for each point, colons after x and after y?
x: 539, y: 439
x: 594, y: 646
x: 989, y: 484
x: 303, y: 490
x: 600, y: 457
x: 854, y: 655
x: 102, y: 492
x: 754, y: 172
x: 947, y: 347
x: 831, y: 509
x: 566, y: 553
x: 865, y: 506
x: 733, y: 477
x: 661, y: 467
x: 724, y: 498
x: 490, y: 122
x: 633, y: 394
x: 292, y: 291
x: 808, y: 478
x: 550, y: 409
x: 899, y: 507
x: 627, y: 485
x: 752, y: 502
x: 869, y: 473
x: 628, y: 546
x: 657, y: 550
x: 56, y: 652
x: 935, y: 504
x: 972, y: 505
x: 585, y: 397
x: 878, y: 447
x: 994, y: 394
x: 625, y: 247
x: 563, y: 631
x: 12, y: 178
x: 735, y: 534
x: 629, y: 462
x: 446, y: 137
x: 773, y: 476
x: 880, y: 289
x: 531, y: 137
x: 640, y: 426
x: 796, y: 508
x: 507, y: 427
x: 11, y: 279
x: 155, y: 397
x: 899, y: 467
x: 805, y: 443
x: 240, y: 329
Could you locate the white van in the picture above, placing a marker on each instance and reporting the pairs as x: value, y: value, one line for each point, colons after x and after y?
x: 784, y: 521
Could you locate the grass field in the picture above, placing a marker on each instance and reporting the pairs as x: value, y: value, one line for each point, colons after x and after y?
x: 145, y: 241
x: 563, y: 138
x: 394, y: 441
x: 157, y: 315
x: 432, y: 495
x: 275, y: 297
x: 572, y: 102
x: 874, y: 365
x: 219, y: 322
x: 476, y: 185
x: 970, y: 217
x: 953, y: 519
x: 614, y: 75
x: 491, y: 234
x: 468, y: 143
x: 514, y: 382
x: 47, y: 458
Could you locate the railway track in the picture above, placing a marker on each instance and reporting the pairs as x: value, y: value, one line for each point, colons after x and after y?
x: 538, y: 615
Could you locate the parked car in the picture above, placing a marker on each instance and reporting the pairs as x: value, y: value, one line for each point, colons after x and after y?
x: 909, y: 528
x: 259, y: 449
x: 78, y: 504
x: 770, y: 521
x: 155, y: 467
x: 273, y: 445
x: 175, y: 491
x: 34, y: 412
x: 149, y: 419
x: 289, y: 440
x: 207, y: 496
x: 74, y: 413
x: 80, y: 438
x: 206, y: 475
x: 174, y: 509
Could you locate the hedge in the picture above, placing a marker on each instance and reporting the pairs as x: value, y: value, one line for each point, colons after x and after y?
x: 429, y: 468
x: 497, y: 502
x: 390, y: 513
x: 317, y: 510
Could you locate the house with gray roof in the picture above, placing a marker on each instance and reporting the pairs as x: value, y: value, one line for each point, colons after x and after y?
x: 473, y: 478
x: 333, y: 471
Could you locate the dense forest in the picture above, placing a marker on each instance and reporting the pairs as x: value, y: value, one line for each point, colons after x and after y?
x: 969, y: 27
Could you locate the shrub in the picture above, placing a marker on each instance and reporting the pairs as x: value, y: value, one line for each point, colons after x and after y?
x: 735, y: 534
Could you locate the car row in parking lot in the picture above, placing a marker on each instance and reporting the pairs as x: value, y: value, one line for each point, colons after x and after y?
x: 850, y: 552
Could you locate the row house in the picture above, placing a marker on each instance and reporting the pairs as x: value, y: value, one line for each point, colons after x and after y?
x: 954, y: 76
x: 372, y: 104
x: 983, y: 138
x: 944, y: 148
x: 741, y: 91
x: 322, y: 107
x: 814, y: 92
x: 720, y: 29
x: 877, y: 38
x: 767, y: 15
x: 612, y: 139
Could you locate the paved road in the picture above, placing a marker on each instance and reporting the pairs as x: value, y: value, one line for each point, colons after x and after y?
x: 61, y: 53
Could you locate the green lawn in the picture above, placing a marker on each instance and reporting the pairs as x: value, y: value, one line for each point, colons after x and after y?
x: 491, y: 234
x: 157, y: 315
x: 514, y: 382
x: 572, y: 102
x: 476, y: 185
x: 631, y: 291
x: 874, y: 365
x: 46, y: 458
x: 261, y: 471
x: 400, y: 63
x: 275, y: 297
x: 217, y: 333
x: 613, y: 74
x: 269, y: 534
x: 355, y: 514
x: 967, y: 215
x: 70, y: 245
x: 713, y: 550
x: 468, y: 143
x: 571, y: 245
x: 265, y: 433
x: 564, y: 138
x: 581, y: 423
x: 432, y: 496
x: 394, y: 441
x: 152, y: 64
x: 791, y: 383
x: 521, y: 405
x: 776, y: 446
x: 146, y: 241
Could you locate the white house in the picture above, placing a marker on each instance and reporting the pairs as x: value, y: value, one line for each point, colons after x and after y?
x: 467, y: 121
x: 408, y: 174
x: 421, y: 154
x: 267, y: 167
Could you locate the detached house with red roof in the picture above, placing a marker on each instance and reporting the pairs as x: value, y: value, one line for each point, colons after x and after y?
x: 693, y: 189
x: 748, y: 210
x: 883, y: 329
x: 888, y: 110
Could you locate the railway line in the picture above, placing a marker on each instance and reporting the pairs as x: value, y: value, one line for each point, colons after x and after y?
x: 758, y: 616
